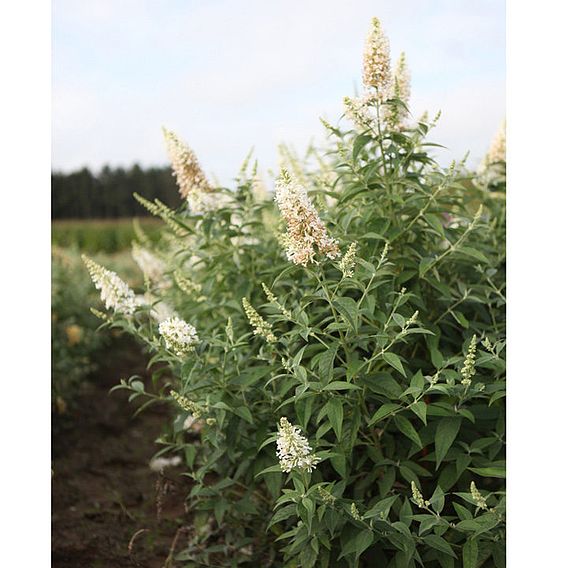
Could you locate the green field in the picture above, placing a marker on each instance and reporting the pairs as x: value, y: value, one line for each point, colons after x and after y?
x: 100, y: 235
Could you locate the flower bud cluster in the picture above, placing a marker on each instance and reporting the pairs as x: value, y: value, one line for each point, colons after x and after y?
x: 188, y: 405
x: 274, y: 300
x: 477, y: 496
x: 326, y: 496
x: 355, y: 513
x: 417, y: 496
x: 260, y: 326
x: 185, y: 284
x: 347, y: 263
x: 468, y: 369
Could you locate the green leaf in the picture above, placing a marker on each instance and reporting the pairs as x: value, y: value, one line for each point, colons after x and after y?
x: 383, y: 384
x: 335, y: 415
x: 348, y: 309
x: 360, y: 142
x: 394, y: 361
x: 417, y: 380
x: 438, y: 499
x: 446, y: 433
x: 435, y: 223
x: 460, y: 318
x: 496, y: 396
x: 283, y: 514
x: 406, y: 428
x: 420, y: 409
x: 470, y: 553
x: 462, y: 512
x: 427, y: 524
x: 220, y: 509
x: 138, y: 386
x: 409, y: 474
x: 474, y: 253
x: 384, y: 411
x: 339, y: 464
x: 489, y: 471
x: 325, y: 363
x: 405, y: 513
x: 244, y: 413
x: 310, y: 509
x: 382, y: 507
x: 440, y: 544
x: 437, y: 357
x: 363, y: 541
x: 271, y: 469
x: 425, y: 264
x: 340, y: 385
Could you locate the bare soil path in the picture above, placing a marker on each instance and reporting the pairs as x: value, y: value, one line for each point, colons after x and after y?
x: 103, y: 491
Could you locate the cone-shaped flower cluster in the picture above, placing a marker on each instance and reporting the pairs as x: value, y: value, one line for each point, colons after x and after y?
x: 115, y: 293
x: 179, y: 336
x: 293, y: 449
x: 306, y: 230
x: 376, y: 61
x: 381, y: 84
x: 191, y: 180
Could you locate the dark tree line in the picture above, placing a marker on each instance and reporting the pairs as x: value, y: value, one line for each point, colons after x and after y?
x: 108, y: 194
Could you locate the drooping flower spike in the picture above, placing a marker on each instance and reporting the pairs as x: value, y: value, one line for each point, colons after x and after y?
x: 192, y: 183
x: 115, y: 293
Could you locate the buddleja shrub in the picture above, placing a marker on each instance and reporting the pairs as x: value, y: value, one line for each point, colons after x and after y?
x: 339, y: 349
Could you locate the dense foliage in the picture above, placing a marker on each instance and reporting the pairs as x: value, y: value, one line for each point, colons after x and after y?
x: 389, y: 357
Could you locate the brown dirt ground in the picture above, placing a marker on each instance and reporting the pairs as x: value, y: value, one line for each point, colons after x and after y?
x: 103, y: 492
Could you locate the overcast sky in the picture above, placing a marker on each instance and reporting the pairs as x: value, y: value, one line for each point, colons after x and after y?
x: 227, y: 75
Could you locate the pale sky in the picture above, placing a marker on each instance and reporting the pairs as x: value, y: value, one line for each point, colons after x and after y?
x: 227, y: 75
